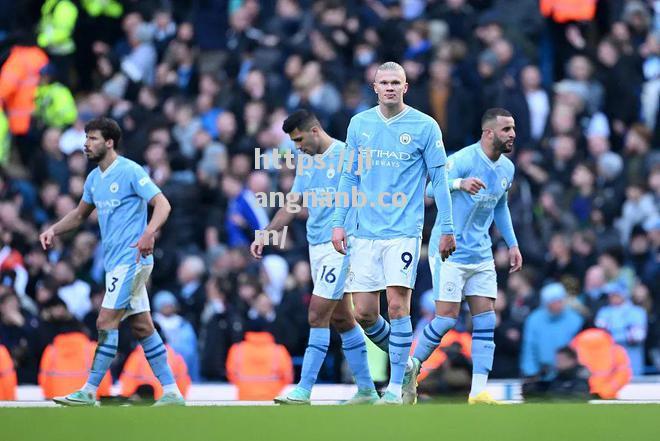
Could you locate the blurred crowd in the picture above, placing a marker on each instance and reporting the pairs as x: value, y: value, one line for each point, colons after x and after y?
x: 198, y: 85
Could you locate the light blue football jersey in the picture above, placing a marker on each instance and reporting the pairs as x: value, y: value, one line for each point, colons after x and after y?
x: 323, y: 181
x: 474, y: 214
x: 121, y: 194
x: 402, y: 149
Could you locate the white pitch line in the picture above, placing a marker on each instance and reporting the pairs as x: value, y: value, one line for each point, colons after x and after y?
x: 234, y: 403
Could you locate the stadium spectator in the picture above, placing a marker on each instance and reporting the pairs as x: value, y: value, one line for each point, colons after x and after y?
x: 178, y: 331
x: 19, y: 334
x: 65, y: 363
x: 548, y: 328
x: 570, y: 383
x: 448, y: 370
x: 607, y: 362
x: 259, y: 367
x: 8, y: 378
x: 221, y: 327
x: 19, y: 79
x: 190, y: 293
x: 626, y: 322
x: 508, y: 339
x: 523, y: 298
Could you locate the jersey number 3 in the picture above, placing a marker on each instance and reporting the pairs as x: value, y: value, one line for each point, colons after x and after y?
x: 112, y: 285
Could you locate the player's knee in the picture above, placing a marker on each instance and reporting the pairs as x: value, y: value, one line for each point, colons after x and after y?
x: 105, y: 323
x: 317, y: 319
x: 366, y: 318
x: 447, y: 309
x: 397, y: 310
x: 342, y: 322
x: 141, y: 330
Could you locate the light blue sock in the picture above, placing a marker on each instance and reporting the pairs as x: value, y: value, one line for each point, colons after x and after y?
x: 317, y: 347
x: 379, y: 334
x: 355, y: 351
x: 105, y: 353
x: 483, y: 348
x: 400, y: 342
x: 431, y: 336
x: 156, y: 354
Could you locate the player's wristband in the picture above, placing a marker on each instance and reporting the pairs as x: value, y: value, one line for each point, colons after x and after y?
x: 456, y: 185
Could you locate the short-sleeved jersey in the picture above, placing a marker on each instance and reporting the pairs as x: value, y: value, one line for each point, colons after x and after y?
x: 121, y: 194
x: 323, y: 181
x: 474, y: 214
x: 402, y: 149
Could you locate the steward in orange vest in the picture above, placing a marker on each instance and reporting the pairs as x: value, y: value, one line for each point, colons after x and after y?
x: 137, y: 372
x: 607, y: 362
x: 7, y: 376
x: 65, y: 365
x: 563, y: 11
x: 259, y: 367
x: 19, y: 79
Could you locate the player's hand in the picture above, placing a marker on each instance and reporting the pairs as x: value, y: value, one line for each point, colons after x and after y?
x: 515, y: 259
x: 339, y: 240
x: 472, y: 185
x: 256, y: 248
x: 46, y: 238
x: 145, y: 246
x: 447, y: 246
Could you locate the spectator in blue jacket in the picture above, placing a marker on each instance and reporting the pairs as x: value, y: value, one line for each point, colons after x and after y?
x: 244, y: 214
x: 178, y: 331
x: 550, y: 327
x: 626, y: 322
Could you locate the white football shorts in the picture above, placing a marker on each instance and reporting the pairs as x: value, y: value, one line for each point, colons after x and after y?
x: 454, y: 281
x: 329, y: 270
x: 125, y: 288
x: 379, y: 263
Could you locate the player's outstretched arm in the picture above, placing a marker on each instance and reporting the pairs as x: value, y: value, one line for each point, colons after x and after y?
x: 504, y: 224
x: 282, y: 218
x: 69, y: 222
x: 162, y: 209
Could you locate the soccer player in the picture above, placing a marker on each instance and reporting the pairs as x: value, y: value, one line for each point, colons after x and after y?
x: 405, y: 146
x: 120, y: 189
x: 479, y: 177
x: 328, y: 304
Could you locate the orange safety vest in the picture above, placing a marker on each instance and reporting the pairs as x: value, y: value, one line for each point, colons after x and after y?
x: 562, y: 11
x: 607, y: 362
x: 438, y: 356
x: 65, y: 366
x: 7, y: 375
x: 11, y: 261
x: 19, y: 79
x: 259, y: 367
x: 137, y: 372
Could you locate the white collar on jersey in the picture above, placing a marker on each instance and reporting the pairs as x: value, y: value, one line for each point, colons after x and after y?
x: 490, y: 162
x: 330, y: 148
x: 107, y: 170
x: 394, y: 118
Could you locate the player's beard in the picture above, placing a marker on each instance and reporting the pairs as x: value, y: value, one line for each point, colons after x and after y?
x: 97, y: 157
x: 502, y: 146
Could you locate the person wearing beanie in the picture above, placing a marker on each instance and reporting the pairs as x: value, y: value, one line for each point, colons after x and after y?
x: 626, y: 322
x: 550, y: 327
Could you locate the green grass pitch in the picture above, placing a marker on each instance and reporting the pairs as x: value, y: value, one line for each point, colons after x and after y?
x: 442, y: 422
